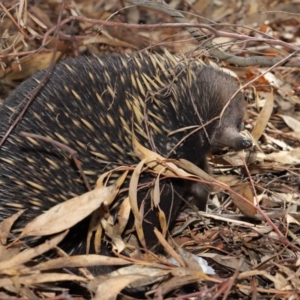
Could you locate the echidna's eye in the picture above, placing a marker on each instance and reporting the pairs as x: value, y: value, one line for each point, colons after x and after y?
x: 240, y: 125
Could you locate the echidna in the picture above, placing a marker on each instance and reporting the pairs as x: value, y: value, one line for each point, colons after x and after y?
x: 92, y: 104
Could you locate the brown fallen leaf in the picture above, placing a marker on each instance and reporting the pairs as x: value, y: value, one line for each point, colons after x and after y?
x: 7, y: 283
x: 79, y: 261
x: 6, y: 226
x: 245, y: 190
x: 27, y: 255
x: 263, y: 117
x: 28, y: 66
x: 65, y: 215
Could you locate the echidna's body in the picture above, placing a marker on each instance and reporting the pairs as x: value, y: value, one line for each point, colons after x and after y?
x: 90, y: 104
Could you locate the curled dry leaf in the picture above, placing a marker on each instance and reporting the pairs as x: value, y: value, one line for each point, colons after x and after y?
x: 113, y: 233
x: 113, y: 229
x: 99, y: 222
x: 245, y: 190
x: 156, y: 192
x: 140, y: 233
x: 6, y: 225
x: 123, y: 214
x: 162, y: 222
x: 133, y: 186
x: 161, y: 215
x: 95, y: 230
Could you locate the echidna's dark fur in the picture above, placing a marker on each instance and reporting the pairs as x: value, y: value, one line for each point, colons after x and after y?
x: 90, y: 104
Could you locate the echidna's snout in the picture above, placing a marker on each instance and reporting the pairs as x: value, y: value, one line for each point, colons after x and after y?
x: 246, y: 143
x: 230, y: 137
